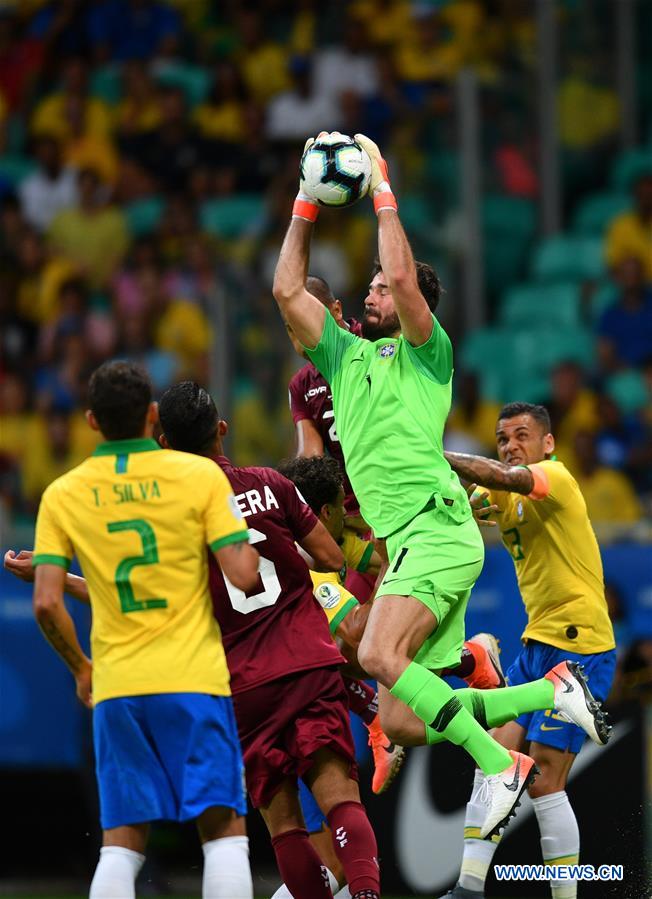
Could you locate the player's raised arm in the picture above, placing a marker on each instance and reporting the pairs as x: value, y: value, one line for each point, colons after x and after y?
x: 58, y: 627
x: 395, y: 253
x: 300, y: 309
x: 492, y: 474
x: 324, y: 551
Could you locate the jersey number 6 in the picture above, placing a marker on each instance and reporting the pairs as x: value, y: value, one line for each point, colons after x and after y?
x: 271, y: 584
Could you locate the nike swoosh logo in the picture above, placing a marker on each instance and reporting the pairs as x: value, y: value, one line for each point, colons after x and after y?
x: 513, y: 786
x: 358, y: 359
x: 569, y: 686
x: 545, y: 727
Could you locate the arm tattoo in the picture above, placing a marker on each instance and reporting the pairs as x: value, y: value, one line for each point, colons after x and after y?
x: 58, y: 642
x: 490, y: 473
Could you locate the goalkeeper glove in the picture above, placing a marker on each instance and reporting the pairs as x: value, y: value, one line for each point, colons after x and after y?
x: 305, y: 207
x: 379, y: 186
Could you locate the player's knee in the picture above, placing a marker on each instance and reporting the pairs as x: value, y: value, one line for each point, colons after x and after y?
x: 375, y: 662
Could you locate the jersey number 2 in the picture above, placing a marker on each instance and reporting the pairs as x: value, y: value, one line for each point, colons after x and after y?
x: 270, y: 583
x: 128, y: 602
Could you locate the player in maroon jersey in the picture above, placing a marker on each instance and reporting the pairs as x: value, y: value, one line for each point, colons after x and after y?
x: 290, y: 701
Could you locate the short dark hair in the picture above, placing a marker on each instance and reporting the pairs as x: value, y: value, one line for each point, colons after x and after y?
x: 189, y: 418
x: 319, y: 479
x: 320, y: 288
x: 538, y: 413
x: 427, y: 279
x: 119, y: 394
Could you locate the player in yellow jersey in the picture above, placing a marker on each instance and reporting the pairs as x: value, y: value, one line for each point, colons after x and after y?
x: 139, y: 520
x: 545, y: 527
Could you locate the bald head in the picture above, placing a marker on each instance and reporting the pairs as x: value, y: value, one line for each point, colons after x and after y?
x: 320, y: 289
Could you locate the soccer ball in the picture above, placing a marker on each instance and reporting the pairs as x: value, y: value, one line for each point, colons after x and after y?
x: 335, y: 170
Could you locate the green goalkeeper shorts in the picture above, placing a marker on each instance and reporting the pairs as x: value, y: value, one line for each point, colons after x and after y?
x: 436, y: 560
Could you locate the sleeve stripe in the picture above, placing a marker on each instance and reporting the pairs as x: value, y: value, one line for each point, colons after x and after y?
x: 363, y: 564
x: 348, y: 606
x: 48, y: 559
x: 238, y: 537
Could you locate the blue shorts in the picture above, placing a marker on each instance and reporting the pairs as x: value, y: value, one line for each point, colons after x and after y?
x: 534, y: 660
x: 166, y: 756
x: 312, y: 814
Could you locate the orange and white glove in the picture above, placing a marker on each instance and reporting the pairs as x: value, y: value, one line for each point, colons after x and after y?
x: 379, y: 186
x: 305, y: 207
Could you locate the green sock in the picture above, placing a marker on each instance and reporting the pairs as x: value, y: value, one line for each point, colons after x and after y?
x: 491, y: 708
x: 435, y: 702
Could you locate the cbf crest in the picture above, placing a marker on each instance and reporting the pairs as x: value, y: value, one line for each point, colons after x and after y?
x: 387, y: 350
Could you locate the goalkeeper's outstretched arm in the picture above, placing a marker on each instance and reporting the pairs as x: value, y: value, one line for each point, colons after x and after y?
x: 304, y: 313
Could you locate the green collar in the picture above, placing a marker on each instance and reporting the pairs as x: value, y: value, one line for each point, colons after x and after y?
x: 124, y: 447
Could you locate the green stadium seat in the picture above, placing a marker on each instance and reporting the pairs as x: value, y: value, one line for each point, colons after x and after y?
x: 144, y: 215
x: 232, y: 217
x: 417, y: 215
x: 503, y: 214
x: 14, y: 168
x: 562, y: 345
x: 442, y: 172
x: 605, y: 295
x: 594, y: 214
x: 194, y: 81
x: 564, y: 258
x: 627, y: 389
x: 554, y: 305
x: 106, y: 84
x: 629, y: 167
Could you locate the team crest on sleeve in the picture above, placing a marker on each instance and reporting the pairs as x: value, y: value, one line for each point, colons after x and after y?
x: 327, y: 595
x: 387, y: 350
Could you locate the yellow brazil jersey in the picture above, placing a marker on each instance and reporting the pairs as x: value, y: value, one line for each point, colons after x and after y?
x: 329, y: 589
x: 139, y: 518
x: 557, y: 561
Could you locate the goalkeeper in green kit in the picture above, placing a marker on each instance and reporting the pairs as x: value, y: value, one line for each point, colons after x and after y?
x: 391, y: 396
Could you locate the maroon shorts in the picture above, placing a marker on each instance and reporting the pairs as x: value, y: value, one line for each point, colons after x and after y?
x: 283, y: 723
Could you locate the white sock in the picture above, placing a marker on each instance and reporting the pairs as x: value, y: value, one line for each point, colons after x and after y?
x: 478, y: 853
x: 116, y: 873
x: 560, y: 838
x: 284, y: 893
x: 227, y: 874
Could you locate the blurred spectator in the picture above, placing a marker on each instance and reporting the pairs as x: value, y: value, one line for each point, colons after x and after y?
x: 139, y: 109
x: 93, y: 235
x: 221, y: 117
x: 572, y: 408
x: 41, y: 275
x: 58, y: 113
x: 49, y: 189
x: 609, y: 496
x: 17, y: 421
x: 588, y: 107
x: 121, y: 30
x: 61, y: 26
x: 263, y: 63
x: 171, y: 151
x: 18, y: 333
x: 20, y: 59
x: 347, y: 67
x: 300, y: 111
x: 424, y: 56
x: 386, y: 21
x: 55, y: 452
x: 625, y: 329
x: 472, y: 421
x: 135, y: 343
x: 630, y: 234
x: 60, y: 383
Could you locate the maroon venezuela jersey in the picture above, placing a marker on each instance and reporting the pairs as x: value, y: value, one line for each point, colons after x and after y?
x: 278, y: 628
x: 311, y: 400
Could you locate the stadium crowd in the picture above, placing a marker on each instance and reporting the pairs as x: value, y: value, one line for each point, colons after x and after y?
x: 144, y: 196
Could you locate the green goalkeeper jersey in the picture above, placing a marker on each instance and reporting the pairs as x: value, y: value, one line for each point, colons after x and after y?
x: 391, y: 401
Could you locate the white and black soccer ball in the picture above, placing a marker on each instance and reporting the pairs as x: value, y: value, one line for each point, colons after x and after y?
x: 336, y: 170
